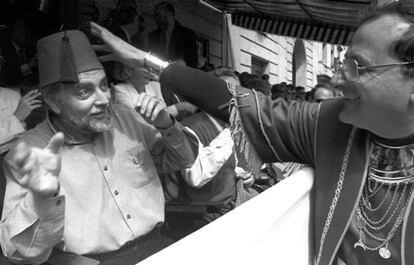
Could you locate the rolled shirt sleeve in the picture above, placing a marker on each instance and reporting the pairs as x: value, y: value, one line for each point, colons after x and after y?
x: 210, y: 159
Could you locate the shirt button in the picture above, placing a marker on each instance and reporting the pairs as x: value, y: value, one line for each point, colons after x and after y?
x: 128, y: 216
x: 135, y: 161
x: 105, y: 168
x: 116, y: 192
x: 58, y: 202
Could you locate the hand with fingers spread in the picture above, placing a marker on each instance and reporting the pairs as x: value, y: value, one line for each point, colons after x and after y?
x: 154, y: 111
x: 27, y: 104
x: 39, y: 168
x: 118, y: 49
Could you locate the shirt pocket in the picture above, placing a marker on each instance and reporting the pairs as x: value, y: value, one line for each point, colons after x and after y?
x: 141, y: 165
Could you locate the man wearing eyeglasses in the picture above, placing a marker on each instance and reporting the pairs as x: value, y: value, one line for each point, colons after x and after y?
x: 361, y: 145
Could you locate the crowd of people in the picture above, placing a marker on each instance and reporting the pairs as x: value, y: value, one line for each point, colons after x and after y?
x: 114, y: 145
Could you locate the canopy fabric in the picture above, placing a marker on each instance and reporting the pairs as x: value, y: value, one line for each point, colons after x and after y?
x: 331, y: 21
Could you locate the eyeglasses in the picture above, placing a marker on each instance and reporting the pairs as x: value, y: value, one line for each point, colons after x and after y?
x: 350, y: 68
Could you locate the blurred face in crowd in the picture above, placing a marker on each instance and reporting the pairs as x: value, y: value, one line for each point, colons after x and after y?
x: 300, y: 94
x: 290, y: 93
x: 85, y: 106
x: 141, y: 75
x: 279, y: 91
x: 379, y: 95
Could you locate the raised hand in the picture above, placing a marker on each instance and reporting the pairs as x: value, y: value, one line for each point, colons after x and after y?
x: 154, y: 111
x: 27, y: 104
x: 118, y: 49
x: 39, y: 168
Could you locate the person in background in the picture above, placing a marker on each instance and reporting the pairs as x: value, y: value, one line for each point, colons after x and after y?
x: 128, y: 25
x: 14, y: 111
x: 214, y: 184
x: 290, y: 92
x: 171, y: 41
x: 266, y: 80
x: 300, y: 93
x: 278, y: 91
x: 18, y: 55
x: 134, y: 82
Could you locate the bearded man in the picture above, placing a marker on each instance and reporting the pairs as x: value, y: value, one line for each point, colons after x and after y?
x: 85, y: 181
x: 361, y: 145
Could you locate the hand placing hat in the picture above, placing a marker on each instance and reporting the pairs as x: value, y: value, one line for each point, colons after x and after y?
x: 118, y: 50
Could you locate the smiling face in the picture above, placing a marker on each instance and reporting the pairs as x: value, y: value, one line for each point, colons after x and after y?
x: 84, y: 107
x: 380, y: 100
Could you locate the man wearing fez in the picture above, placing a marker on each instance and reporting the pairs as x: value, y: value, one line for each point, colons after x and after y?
x: 85, y: 180
x: 361, y: 145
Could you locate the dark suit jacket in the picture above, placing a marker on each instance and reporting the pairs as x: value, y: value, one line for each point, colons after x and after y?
x: 183, y: 45
x: 11, y: 74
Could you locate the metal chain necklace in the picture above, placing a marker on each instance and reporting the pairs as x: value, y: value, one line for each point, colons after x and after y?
x: 383, y: 246
x: 365, y: 209
x: 372, y: 223
x: 374, y: 190
x: 393, y: 167
x: 367, y: 195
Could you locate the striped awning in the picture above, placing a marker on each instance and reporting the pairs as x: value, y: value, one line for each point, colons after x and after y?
x: 331, y: 21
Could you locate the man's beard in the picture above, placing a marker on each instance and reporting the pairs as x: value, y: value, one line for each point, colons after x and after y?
x: 88, y: 123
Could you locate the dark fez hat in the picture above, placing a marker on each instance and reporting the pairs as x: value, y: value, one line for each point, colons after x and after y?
x: 63, y: 55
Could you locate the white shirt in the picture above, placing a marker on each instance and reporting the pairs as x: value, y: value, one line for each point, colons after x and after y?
x: 10, y: 126
x: 210, y: 159
x: 110, y: 192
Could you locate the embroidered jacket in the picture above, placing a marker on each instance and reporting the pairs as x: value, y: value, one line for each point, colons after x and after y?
x: 301, y: 132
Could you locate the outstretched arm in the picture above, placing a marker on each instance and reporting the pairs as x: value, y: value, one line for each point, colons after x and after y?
x: 197, y: 87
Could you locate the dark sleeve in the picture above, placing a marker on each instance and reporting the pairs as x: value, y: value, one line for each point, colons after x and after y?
x: 278, y: 130
x: 197, y: 87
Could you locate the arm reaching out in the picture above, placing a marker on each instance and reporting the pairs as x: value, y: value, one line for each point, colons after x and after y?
x: 118, y: 49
